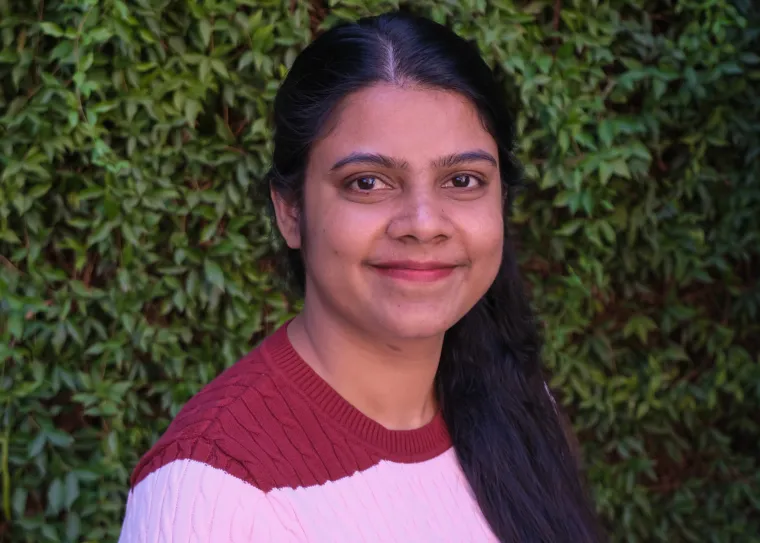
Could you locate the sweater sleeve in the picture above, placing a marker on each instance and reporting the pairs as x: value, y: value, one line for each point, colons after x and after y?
x: 188, y: 501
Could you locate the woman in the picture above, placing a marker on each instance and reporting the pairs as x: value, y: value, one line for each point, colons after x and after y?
x: 406, y: 401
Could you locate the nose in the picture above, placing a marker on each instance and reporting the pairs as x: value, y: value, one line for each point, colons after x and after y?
x: 420, y: 218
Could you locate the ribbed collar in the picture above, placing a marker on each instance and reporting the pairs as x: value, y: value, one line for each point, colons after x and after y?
x: 416, y: 445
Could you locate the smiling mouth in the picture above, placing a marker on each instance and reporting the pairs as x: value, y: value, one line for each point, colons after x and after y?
x: 424, y: 272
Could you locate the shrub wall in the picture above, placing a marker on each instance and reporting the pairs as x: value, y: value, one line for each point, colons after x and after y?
x: 135, y: 258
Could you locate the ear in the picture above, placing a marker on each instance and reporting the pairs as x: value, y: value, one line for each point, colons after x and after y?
x: 288, y: 219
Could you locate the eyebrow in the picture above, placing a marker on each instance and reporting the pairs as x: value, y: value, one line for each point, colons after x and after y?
x: 371, y: 158
x: 454, y: 159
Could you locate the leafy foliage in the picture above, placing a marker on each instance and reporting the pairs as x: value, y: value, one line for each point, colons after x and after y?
x: 135, y: 254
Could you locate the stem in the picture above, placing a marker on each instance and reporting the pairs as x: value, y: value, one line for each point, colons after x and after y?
x: 6, y: 473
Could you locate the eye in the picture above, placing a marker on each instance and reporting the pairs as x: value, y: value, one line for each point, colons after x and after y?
x: 367, y: 183
x: 464, y: 181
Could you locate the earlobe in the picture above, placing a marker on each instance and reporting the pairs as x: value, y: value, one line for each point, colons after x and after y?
x: 288, y: 219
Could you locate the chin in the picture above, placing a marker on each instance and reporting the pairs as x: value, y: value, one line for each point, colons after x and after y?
x: 408, y: 325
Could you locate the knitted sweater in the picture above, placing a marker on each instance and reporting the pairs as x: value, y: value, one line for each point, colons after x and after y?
x: 269, y: 452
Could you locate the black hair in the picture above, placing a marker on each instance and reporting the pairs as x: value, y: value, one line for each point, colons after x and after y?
x: 507, y: 434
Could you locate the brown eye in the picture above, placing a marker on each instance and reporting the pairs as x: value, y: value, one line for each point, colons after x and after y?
x: 464, y: 181
x: 368, y: 183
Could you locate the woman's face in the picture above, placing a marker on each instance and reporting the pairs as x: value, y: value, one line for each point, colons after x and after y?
x: 403, y: 213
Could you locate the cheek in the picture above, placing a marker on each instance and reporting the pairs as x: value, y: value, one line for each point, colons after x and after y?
x: 340, y: 231
x: 486, y: 247
x: 486, y: 235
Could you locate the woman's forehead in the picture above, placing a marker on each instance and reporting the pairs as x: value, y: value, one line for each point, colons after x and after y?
x: 413, y: 124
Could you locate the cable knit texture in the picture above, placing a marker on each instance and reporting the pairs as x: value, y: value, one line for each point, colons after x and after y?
x: 268, y: 451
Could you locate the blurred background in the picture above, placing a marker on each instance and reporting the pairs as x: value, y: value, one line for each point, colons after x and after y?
x: 136, y: 254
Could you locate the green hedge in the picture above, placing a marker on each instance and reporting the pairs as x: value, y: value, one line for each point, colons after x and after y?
x: 135, y: 258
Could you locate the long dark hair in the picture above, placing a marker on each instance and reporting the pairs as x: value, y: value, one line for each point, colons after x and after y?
x: 506, y: 432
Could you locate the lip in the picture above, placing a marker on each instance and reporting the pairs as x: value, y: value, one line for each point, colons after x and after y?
x: 410, y: 270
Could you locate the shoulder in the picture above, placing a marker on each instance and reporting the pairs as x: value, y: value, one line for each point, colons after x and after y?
x: 234, y: 425
x: 186, y: 500
x: 254, y: 425
x: 211, y: 427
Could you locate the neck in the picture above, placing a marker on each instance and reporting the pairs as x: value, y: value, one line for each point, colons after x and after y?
x: 391, y: 383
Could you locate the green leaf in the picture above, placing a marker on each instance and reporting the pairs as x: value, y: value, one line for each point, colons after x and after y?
x: 641, y: 326
x: 562, y: 198
x: 204, y: 69
x: 18, y: 501
x: 55, y: 497
x: 36, y: 445
x: 73, y: 527
x: 245, y: 60
x: 50, y: 533
x: 605, y: 132
x: 214, y: 274
x: 100, y: 233
x: 621, y: 168
x: 605, y: 172
x: 59, y: 438
x: 569, y: 228
x: 192, y: 108
x: 219, y: 67
x: 51, y: 29
x: 9, y: 236
x: 607, y: 231
x: 72, y: 490
x: 205, y: 28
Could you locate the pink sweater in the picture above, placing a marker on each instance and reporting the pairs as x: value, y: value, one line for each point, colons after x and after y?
x: 268, y: 452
